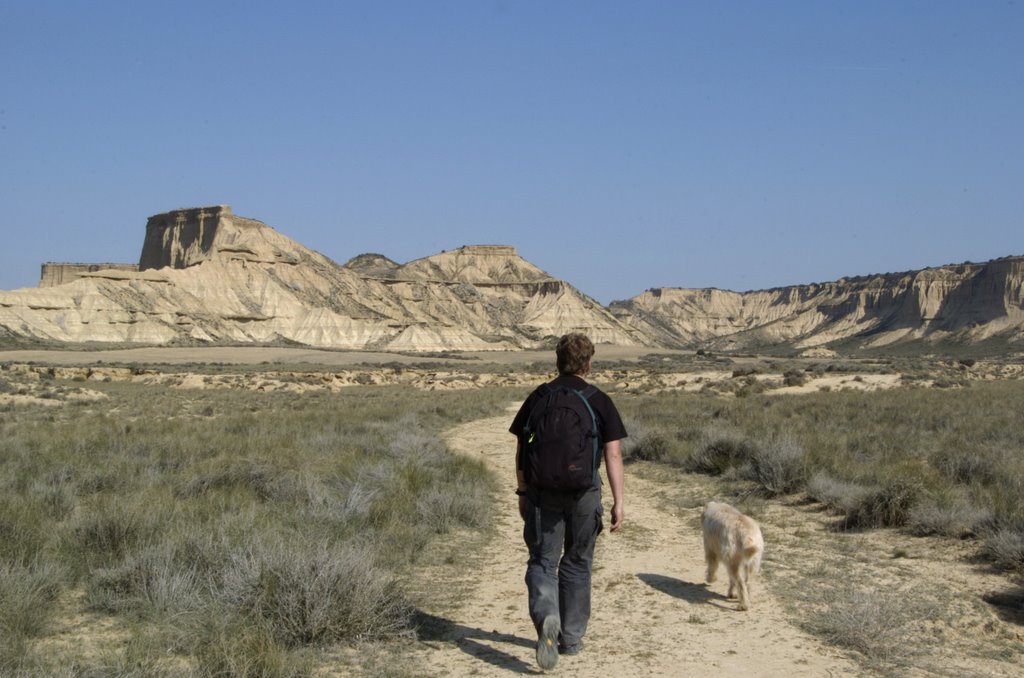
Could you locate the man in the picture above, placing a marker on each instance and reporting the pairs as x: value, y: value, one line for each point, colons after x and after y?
x: 561, y: 526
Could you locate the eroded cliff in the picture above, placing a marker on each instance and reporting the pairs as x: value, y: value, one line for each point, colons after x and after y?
x: 964, y: 303
x: 206, y: 275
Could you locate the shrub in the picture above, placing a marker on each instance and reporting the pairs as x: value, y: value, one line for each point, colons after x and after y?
x: 27, y: 596
x: 778, y: 466
x: 27, y: 593
x: 58, y: 497
x: 316, y: 593
x: 836, y: 494
x: 719, y: 450
x: 233, y: 646
x: 794, y: 377
x: 751, y: 385
x: 645, y: 443
x: 153, y: 510
x: 874, y: 623
x: 886, y: 506
x: 154, y: 579
x: 264, y: 481
x: 1005, y: 548
x: 358, y: 496
x: 25, y: 529
x: 408, y: 443
x: 109, y: 530
x: 964, y: 466
x: 946, y: 513
x: 467, y: 504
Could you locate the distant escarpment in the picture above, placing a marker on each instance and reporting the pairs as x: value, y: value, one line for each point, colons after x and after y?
x: 966, y: 303
x: 206, y: 275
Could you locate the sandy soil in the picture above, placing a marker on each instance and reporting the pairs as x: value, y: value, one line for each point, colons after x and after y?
x: 652, y: 616
x: 254, y: 355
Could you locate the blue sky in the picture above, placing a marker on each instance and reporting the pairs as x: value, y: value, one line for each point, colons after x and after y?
x: 617, y: 145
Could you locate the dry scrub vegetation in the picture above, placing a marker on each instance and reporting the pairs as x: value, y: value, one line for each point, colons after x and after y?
x: 941, y: 470
x: 265, y: 521
x: 158, y: 531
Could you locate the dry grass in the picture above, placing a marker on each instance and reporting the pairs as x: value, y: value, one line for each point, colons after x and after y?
x: 174, y: 510
x: 943, y: 467
x: 224, y: 532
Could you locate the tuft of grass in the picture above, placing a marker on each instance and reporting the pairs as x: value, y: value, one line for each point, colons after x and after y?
x: 947, y: 513
x: 794, y: 377
x: 886, y: 506
x: 838, y: 495
x: 27, y: 595
x: 156, y: 580
x: 649, y: 443
x: 720, y: 449
x: 25, y: 528
x: 443, y: 510
x: 109, y: 529
x: 1005, y: 548
x: 778, y: 466
x: 876, y: 624
x: 965, y: 466
x: 232, y: 645
x: 316, y: 593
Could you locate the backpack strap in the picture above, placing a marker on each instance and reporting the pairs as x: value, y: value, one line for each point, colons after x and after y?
x: 542, y: 392
x: 585, y: 397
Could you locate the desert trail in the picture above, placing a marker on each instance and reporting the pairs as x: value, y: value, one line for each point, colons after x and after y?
x: 653, y: 615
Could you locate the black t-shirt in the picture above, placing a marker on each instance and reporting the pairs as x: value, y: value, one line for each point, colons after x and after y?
x: 609, y: 423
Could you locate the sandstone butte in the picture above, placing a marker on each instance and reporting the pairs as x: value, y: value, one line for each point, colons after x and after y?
x: 207, y: 276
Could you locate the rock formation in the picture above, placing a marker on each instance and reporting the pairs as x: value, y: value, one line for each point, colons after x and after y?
x: 206, y: 275
x: 964, y: 303
x: 57, y: 273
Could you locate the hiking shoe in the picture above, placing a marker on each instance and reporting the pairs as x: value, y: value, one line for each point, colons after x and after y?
x: 570, y: 650
x: 547, y: 643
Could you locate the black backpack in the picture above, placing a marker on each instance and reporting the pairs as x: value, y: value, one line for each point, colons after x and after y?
x: 560, y: 441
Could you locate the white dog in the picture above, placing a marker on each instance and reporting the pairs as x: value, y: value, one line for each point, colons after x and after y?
x: 735, y: 540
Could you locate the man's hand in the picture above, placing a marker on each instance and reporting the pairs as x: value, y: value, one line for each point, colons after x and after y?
x: 617, y: 515
x: 522, y: 506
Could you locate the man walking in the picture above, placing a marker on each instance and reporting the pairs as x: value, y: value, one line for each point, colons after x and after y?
x: 563, y: 429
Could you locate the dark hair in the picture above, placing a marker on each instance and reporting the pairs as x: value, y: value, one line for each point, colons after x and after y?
x: 573, y: 352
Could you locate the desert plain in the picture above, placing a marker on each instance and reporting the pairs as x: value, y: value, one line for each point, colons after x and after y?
x: 834, y: 598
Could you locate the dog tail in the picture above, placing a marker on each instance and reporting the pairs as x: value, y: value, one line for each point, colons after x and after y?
x: 753, y: 549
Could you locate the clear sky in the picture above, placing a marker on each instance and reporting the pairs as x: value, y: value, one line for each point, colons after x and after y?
x: 617, y: 145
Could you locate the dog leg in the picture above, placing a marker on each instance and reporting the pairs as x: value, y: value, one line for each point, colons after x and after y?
x: 748, y: 574
x: 712, y: 566
x: 744, y: 594
x: 739, y: 574
x: 734, y: 580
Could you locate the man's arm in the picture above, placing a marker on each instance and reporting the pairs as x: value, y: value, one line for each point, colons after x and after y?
x: 616, y: 479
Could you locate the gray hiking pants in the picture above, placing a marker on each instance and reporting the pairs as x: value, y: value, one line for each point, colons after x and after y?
x: 560, y: 531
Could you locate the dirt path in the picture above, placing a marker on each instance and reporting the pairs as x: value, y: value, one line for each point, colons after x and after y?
x: 652, y: 614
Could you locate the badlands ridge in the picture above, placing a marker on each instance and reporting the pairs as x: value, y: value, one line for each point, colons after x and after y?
x: 207, y: 276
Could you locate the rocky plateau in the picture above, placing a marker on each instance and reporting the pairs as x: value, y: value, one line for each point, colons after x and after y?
x: 208, y: 277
